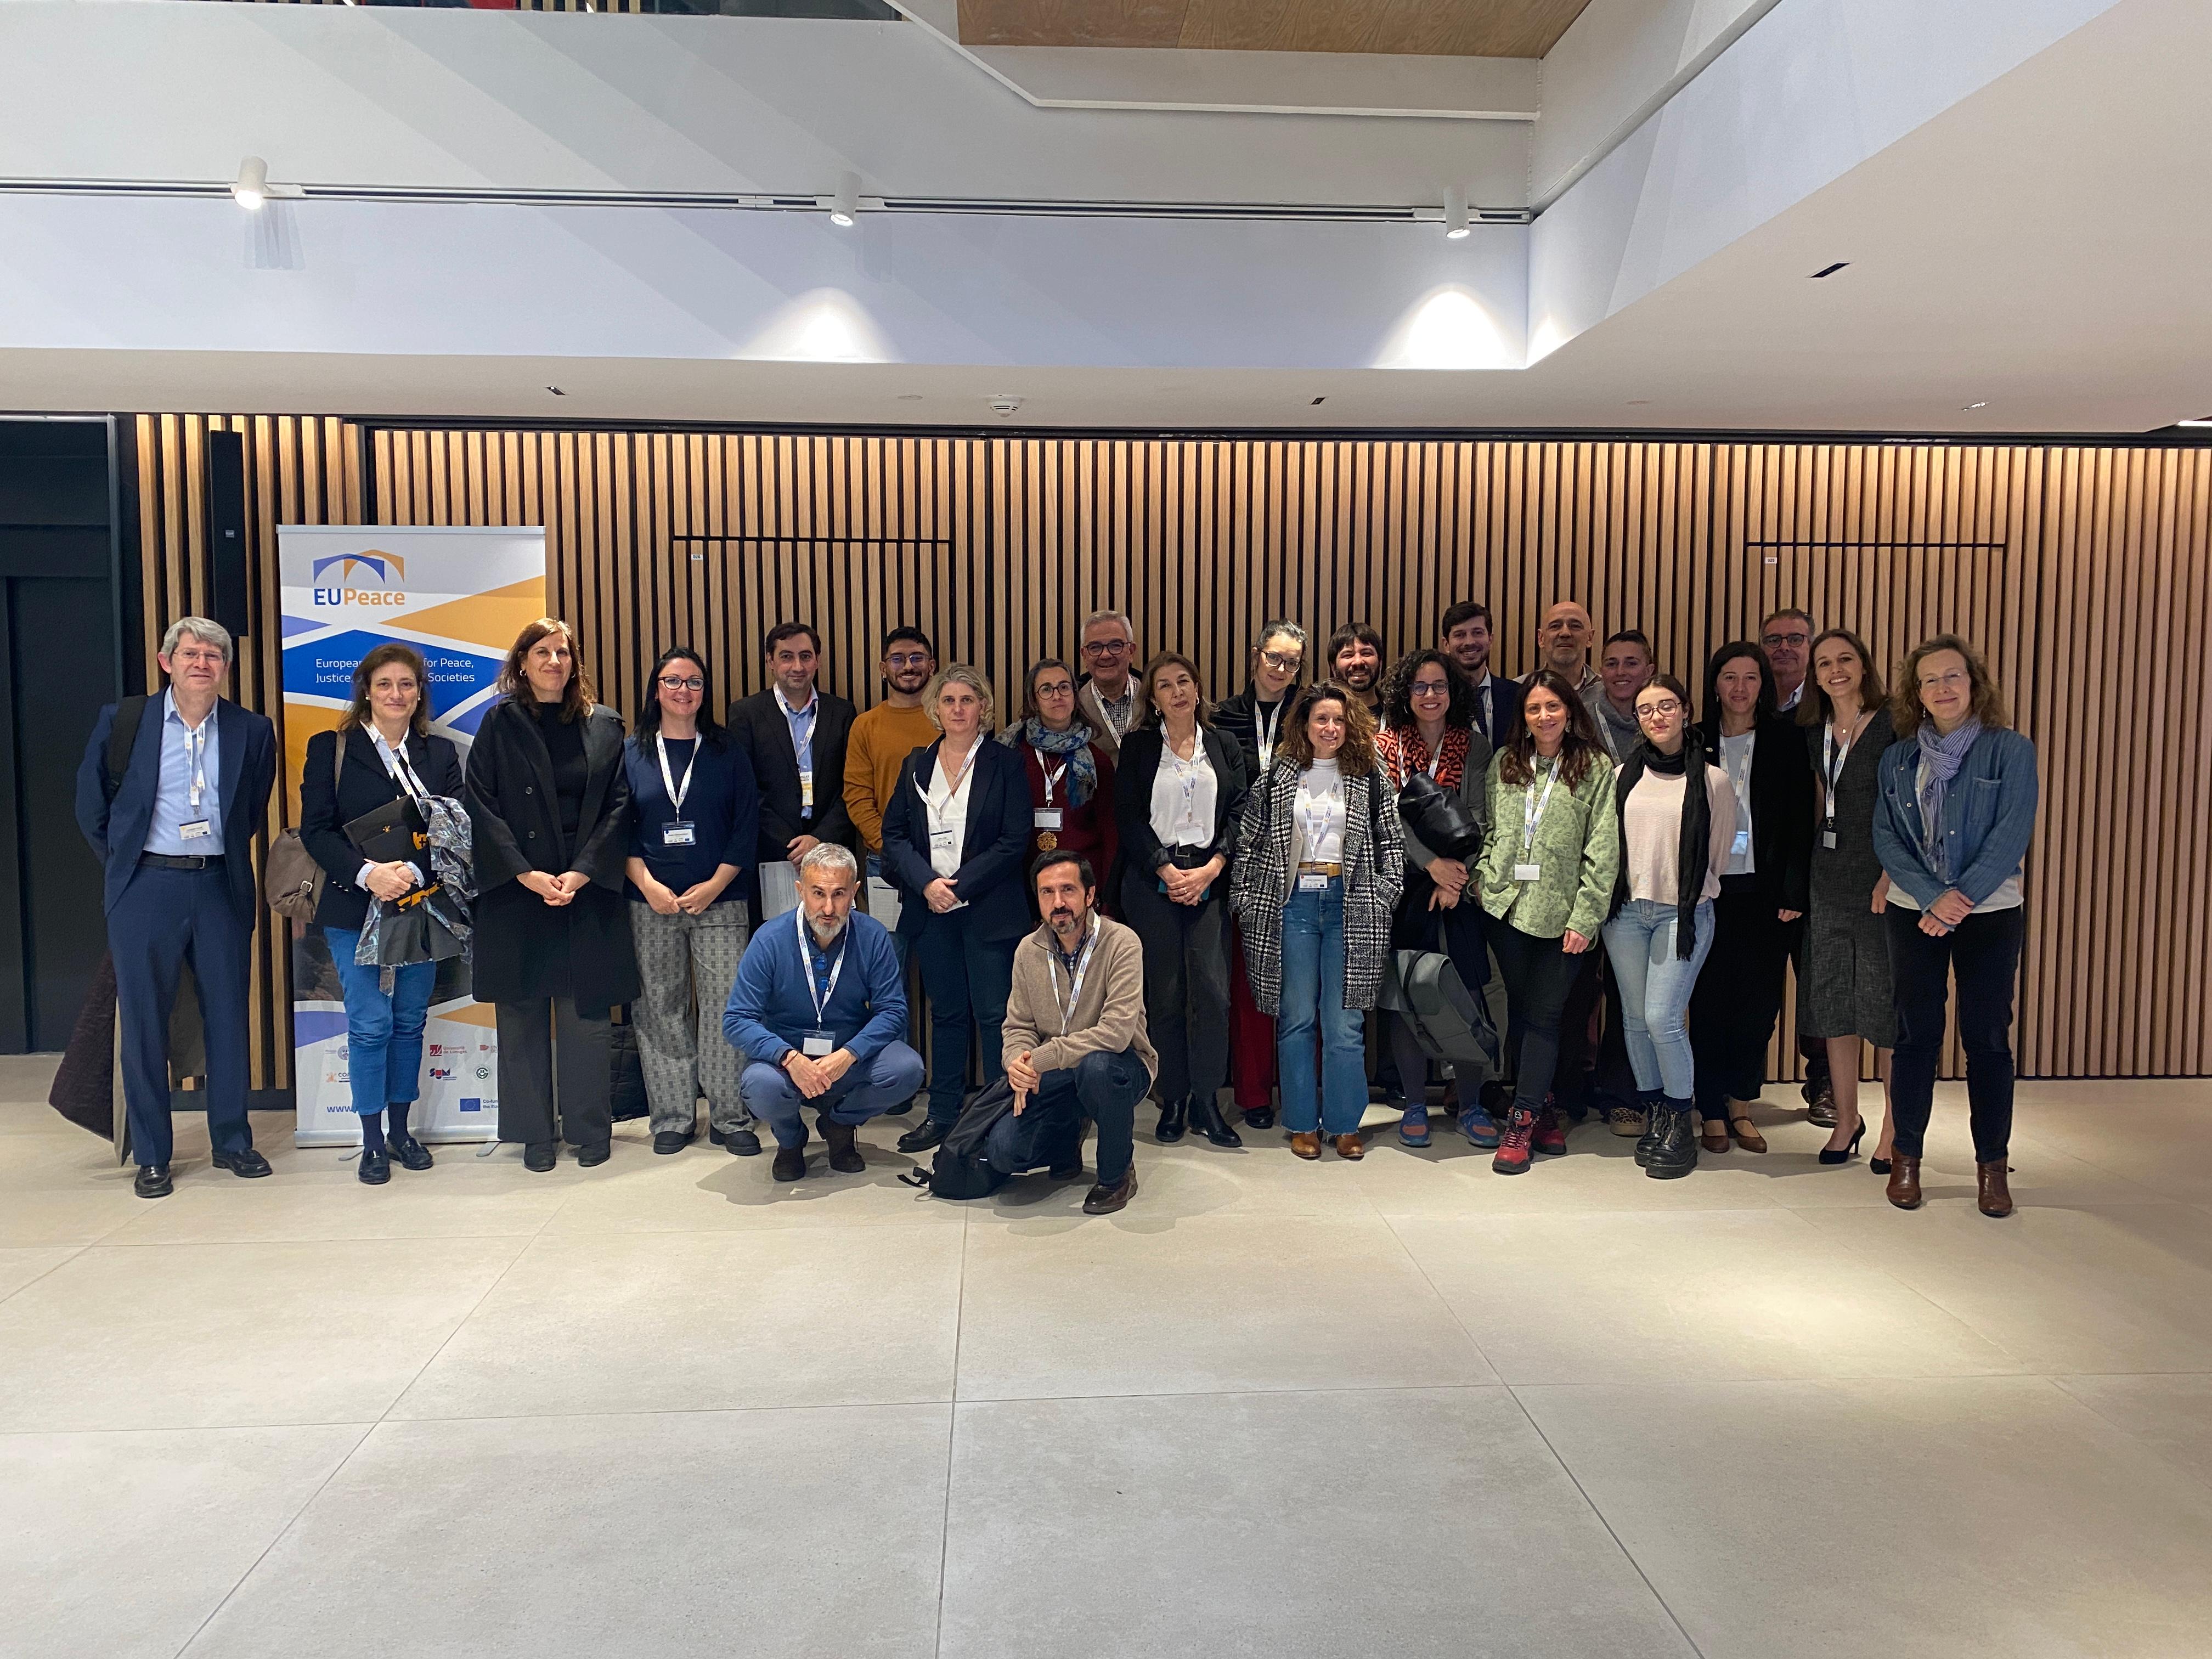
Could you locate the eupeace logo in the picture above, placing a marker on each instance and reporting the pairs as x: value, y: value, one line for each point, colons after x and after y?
x: 387, y: 568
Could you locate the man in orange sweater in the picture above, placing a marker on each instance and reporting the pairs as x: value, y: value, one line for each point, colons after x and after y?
x: 883, y: 736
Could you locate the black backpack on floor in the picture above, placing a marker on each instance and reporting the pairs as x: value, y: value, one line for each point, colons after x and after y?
x: 960, y: 1170
x: 1452, y: 1023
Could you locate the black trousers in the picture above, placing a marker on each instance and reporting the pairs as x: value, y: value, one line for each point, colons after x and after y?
x: 1578, y: 1077
x: 1186, y: 985
x: 1738, y: 996
x: 1983, y: 952
x: 1538, y: 976
x: 549, y: 1055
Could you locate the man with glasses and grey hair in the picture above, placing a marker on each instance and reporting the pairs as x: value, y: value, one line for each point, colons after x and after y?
x: 818, y: 1012
x: 1110, y: 700
x: 172, y: 792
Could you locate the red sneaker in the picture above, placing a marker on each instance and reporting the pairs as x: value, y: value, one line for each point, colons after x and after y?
x: 1551, y: 1136
x: 1512, y: 1154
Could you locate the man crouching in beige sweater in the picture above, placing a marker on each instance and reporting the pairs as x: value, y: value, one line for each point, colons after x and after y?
x: 1074, y: 1038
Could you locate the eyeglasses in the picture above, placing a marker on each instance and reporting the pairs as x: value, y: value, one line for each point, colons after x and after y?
x: 1770, y: 640
x: 1943, y: 682
x: 682, y: 682
x: 1105, y: 648
x: 919, y: 660
x: 1283, y: 662
x: 1056, y: 689
x: 1431, y: 689
x: 1661, y: 706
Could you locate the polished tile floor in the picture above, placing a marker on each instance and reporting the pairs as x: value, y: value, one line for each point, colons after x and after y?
x: 1397, y: 1407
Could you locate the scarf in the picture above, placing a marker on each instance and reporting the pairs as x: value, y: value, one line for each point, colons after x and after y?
x: 1695, y: 850
x: 1404, y: 754
x: 1072, y: 745
x: 1941, y: 757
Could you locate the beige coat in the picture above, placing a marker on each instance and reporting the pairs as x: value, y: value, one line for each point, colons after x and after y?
x: 1108, y: 1016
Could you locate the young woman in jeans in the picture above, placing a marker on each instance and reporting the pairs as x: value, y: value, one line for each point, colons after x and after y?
x: 1953, y: 825
x: 1321, y: 858
x: 1677, y: 828
x: 1548, y: 863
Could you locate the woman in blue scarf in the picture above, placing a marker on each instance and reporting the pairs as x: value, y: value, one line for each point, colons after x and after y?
x: 1071, y: 777
x: 1952, y: 826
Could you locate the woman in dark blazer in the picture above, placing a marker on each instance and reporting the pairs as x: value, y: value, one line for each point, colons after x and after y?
x: 550, y: 805
x: 1765, y: 885
x: 1178, y: 793
x: 388, y: 748
x: 956, y: 832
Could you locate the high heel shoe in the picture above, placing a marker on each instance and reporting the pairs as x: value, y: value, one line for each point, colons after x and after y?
x: 1877, y: 1165
x: 1843, y: 1154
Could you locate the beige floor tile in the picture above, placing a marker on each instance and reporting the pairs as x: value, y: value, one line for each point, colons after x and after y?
x: 1432, y: 1522
x: 1145, y: 1303
x: 20, y: 1266
x: 2172, y: 1415
x: 651, y: 1321
x: 117, y: 1545
x: 1985, y: 1514
x: 204, y: 1335
x: 450, y: 1201
x: 784, y: 1534
x: 1598, y: 1174
x: 1721, y: 1294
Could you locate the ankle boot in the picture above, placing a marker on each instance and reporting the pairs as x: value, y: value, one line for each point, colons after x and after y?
x: 1171, y: 1121
x: 1206, y: 1118
x: 1993, y: 1195
x: 1648, y: 1142
x: 1676, y: 1154
x: 1903, y: 1188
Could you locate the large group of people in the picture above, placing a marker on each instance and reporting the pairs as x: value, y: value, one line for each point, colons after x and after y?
x: 1125, y: 890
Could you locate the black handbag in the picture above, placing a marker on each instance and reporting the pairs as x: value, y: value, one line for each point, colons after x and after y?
x: 1438, y: 816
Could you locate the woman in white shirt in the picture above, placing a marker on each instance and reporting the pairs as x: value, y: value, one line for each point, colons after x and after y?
x: 1321, y: 857
x: 1677, y: 823
x: 1178, y: 792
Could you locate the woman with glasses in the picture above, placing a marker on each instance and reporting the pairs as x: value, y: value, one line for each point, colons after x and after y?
x: 695, y: 818
x: 1180, y: 788
x: 1764, y: 888
x: 1846, y: 995
x: 1253, y: 718
x: 1548, y: 863
x: 1071, y: 778
x: 1429, y: 730
x: 1677, y: 824
x: 1321, y: 858
x: 1957, y: 811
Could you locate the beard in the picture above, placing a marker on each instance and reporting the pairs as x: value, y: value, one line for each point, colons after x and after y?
x: 825, y: 928
x: 1360, y: 677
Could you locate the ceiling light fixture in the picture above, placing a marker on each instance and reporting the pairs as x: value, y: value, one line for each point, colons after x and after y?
x: 1456, y: 226
x: 1968, y: 409
x: 2204, y: 420
x: 251, y: 187
x: 1831, y: 270
x: 845, y: 206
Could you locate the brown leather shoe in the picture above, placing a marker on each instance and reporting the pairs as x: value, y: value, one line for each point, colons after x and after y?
x: 1305, y: 1145
x: 1903, y: 1188
x: 1351, y: 1147
x: 844, y: 1156
x: 1747, y: 1133
x: 1104, y: 1200
x: 1713, y: 1135
x: 1992, y: 1195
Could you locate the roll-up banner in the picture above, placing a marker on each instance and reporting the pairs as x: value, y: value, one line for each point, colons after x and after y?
x: 459, y: 597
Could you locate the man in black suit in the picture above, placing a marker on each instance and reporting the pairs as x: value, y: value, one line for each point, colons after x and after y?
x: 1464, y: 636
x: 794, y: 736
x: 172, y: 813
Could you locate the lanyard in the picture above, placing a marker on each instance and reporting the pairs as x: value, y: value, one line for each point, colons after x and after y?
x: 1050, y: 778
x: 802, y: 748
x: 401, y: 768
x: 822, y: 995
x: 195, y: 754
x: 1315, y: 819
x: 675, y: 791
x: 1075, y: 976
x: 1186, y: 775
x: 1741, y: 780
x: 939, y: 805
x: 1833, y: 760
x: 1264, y: 730
x: 1533, y: 806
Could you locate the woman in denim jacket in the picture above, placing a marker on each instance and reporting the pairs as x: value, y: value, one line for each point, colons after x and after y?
x: 1956, y: 811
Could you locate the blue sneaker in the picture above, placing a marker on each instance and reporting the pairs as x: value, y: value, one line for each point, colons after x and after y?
x: 1481, y: 1129
x: 1414, y: 1127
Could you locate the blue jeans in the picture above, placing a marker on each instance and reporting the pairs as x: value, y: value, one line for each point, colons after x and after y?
x: 384, y: 1034
x: 1313, y: 1002
x: 870, y: 1088
x: 1103, y: 1086
x: 1655, y: 991
x: 968, y: 979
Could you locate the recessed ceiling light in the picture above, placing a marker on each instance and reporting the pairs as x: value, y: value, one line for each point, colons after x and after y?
x: 1318, y: 401
x: 1831, y: 270
x: 909, y: 397
x: 556, y: 392
x: 1967, y: 409
x: 1637, y: 403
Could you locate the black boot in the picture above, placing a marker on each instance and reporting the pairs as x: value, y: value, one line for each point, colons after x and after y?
x: 1206, y: 1118
x: 1654, y: 1119
x: 1171, y: 1121
x: 1676, y: 1154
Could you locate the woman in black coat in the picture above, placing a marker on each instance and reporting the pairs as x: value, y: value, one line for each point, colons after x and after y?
x: 388, y: 748
x: 549, y: 803
x: 1178, y: 793
x: 1765, y: 885
x: 955, y: 834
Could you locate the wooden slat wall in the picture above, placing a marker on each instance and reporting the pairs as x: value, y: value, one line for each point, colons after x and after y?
x: 2081, y: 572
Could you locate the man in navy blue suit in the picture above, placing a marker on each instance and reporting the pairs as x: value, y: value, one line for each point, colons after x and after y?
x: 1464, y: 636
x: 172, y: 813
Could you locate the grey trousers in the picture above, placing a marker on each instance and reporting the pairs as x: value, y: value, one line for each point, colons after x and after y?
x: 687, y: 964
x: 549, y: 1052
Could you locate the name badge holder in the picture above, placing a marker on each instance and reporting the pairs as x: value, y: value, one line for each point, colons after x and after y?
x: 819, y: 1042
x: 198, y: 828
x: 1313, y: 881
x: 1075, y: 979
x: 679, y: 831
x: 1532, y: 815
x: 1048, y: 818
x: 1740, y: 844
x: 1315, y: 824
x: 1832, y: 760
